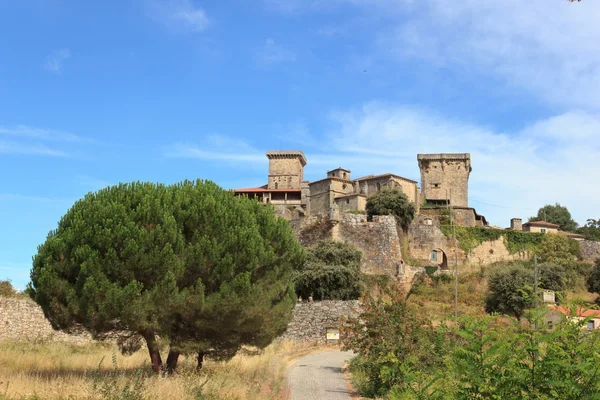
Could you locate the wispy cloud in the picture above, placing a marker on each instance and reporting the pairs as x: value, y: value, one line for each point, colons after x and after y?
x: 514, y: 172
x: 24, y: 131
x: 217, y: 148
x: 23, y: 197
x: 27, y: 140
x: 178, y: 15
x: 547, y: 48
x: 55, y: 60
x: 272, y: 53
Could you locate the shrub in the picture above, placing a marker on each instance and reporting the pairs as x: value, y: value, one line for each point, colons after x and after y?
x: 391, y: 202
x: 331, y: 272
x: 7, y: 289
x: 559, y: 249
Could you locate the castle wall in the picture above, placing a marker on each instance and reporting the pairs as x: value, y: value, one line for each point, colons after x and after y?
x: 311, y: 320
x: 378, y: 241
x: 425, y: 236
x: 22, y: 319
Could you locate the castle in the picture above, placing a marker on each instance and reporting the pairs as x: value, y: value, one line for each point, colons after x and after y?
x: 444, y: 182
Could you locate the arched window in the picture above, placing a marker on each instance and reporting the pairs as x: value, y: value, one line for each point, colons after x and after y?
x: 344, y: 175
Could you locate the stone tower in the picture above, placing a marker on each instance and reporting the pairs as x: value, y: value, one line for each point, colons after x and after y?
x: 441, y: 173
x: 286, y: 169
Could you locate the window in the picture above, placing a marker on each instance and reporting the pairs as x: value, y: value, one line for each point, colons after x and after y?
x: 378, y: 187
x: 434, y: 255
x: 344, y: 186
x: 543, y: 230
x: 590, y: 325
x: 347, y: 201
x: 344, y: 175
x: 549, y: 324
x: 436, y: 185
x: 276, y: 185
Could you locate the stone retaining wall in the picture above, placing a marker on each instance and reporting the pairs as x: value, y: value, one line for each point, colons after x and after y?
x: 312, y: 319
x: 590, y: 250
x: 22, y: 319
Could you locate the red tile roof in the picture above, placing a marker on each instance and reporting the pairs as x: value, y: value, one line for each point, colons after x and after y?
x: 263, y: 190
x: 544, y: 224
x: 581, y: 312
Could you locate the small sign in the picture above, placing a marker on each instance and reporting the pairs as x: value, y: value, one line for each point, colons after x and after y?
x: 333, y: 334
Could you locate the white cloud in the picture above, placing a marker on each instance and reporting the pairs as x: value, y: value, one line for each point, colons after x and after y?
x: 24, y: 131
x: 514, y: 173
x: 218, y: 148
x: 272, y: 53
x: 55, y: 60
x: 546, y: 47
x: 27, y: 140
x: 552, y: 160
x: 178, y: 15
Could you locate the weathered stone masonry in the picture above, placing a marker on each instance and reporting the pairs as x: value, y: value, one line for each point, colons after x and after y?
x: 22, y: 319
x: 311, y: 319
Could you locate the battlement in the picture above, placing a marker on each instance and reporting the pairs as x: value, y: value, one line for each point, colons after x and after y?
x: 287, y: 154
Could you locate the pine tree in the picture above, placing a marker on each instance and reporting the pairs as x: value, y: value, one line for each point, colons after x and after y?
x: 191, y: 263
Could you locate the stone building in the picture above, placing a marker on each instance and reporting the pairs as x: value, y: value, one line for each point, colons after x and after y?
x: 540, y: 227
x: 294, y: 197
x: 285, y: 189
x: 445, y: 178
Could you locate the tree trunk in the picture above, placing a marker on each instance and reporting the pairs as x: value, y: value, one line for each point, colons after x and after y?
x: 200, y: 360
x: 172, y: 359
x: 154, y: 352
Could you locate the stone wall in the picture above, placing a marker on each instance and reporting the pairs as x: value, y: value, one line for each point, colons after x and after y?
x: 590, y: 250
x: 425, y: 236
x: 378, y: 241
x: 22, y: 319
x: 311, y: 319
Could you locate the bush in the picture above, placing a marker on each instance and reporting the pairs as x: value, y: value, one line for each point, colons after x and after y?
x: 391, y: 202
x: 511, y: 290
x: 331, y: 272
x: 7, y: 289
x: 559, y: 249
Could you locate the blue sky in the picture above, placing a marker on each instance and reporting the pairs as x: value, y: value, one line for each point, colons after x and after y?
x: 94, y: 92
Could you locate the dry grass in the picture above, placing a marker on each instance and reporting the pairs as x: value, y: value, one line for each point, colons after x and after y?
x: 60, y: 371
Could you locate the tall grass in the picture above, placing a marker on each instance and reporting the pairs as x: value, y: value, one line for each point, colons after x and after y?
x: 96, y: 371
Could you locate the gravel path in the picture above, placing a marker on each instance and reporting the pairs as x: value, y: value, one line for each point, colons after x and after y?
x: 319, y: 377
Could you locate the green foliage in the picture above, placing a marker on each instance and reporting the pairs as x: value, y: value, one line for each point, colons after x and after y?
x: 355, y: 212
x: 331, y: 272
x: 593, y: 281
x: 391, y: 341
x: 471, y: 237
x: 519, y: 242
x: 511, y: 289
x: 559, y: 249
x: 591, y: 230
x: 430, y: 270
x: 390, y: 201
x: 556, y: 214
x: 472, y: 358
x: 191, y: 263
